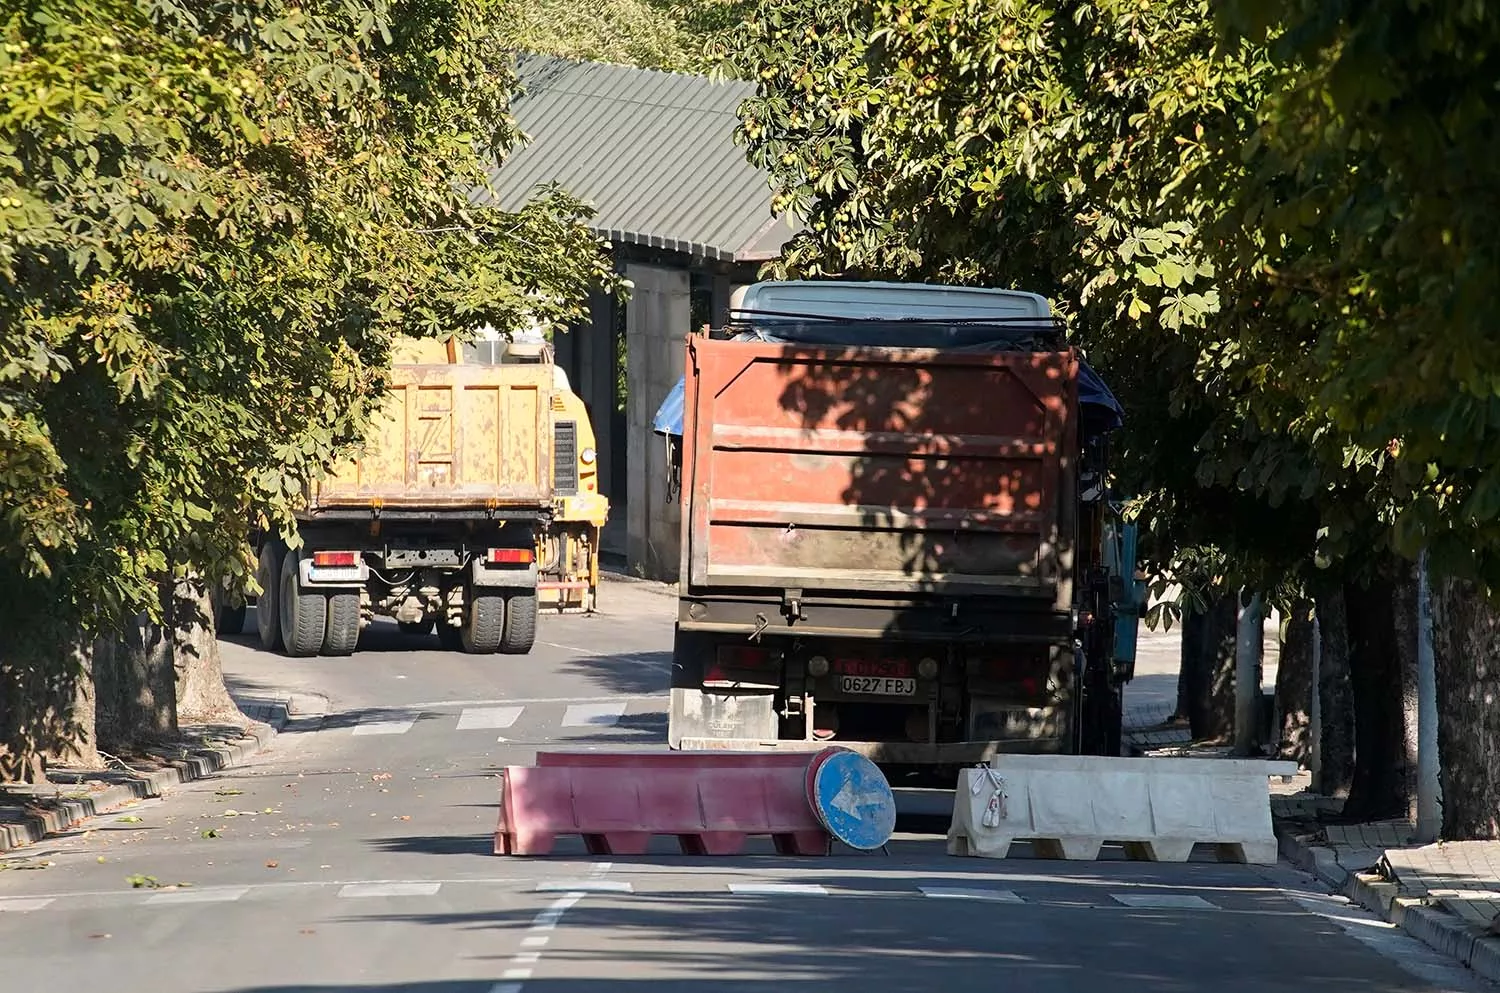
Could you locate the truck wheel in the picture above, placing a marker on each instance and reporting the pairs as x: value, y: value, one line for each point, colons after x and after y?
x: 520, y: 624
x: 268, y: 605
x: 484, y: 623
x: 304, y: 615
x: 343, y: 624
x: 417, y: 628
x: 450, y: 637
x: 231, y: 620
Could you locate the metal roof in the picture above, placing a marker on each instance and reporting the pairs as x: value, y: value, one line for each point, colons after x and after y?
x: 654, y: 153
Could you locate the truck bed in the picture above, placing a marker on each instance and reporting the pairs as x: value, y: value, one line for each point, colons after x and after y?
x: 451, y: 437
x: 830, y: 469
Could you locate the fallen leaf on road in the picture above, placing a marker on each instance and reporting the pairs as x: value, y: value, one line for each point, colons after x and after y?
x: 231, y: 813
x: 380, y: 777
x: 404, y: 817
x: 209, y: 833
x: 130, y: 819
x: 272, y: 864
x: 143, y: 882
x: 101, y: 936
x: 268, y: 810
x: 100, y: 860
x: 228, y: 792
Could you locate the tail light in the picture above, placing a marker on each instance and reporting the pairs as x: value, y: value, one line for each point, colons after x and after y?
x: 326, y: 560
x: 740, y: 664
x: 509, y: 556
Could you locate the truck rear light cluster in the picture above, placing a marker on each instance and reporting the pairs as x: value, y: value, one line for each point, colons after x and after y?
x: 509, y: 556
x: 732, y: 662
x: 327, y: 560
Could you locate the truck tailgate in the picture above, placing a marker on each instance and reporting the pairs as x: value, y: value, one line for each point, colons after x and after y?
x: 452, y: 436
x: 879, y: 470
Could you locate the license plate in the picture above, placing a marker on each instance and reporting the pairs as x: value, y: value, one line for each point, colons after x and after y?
x: 878, y: 685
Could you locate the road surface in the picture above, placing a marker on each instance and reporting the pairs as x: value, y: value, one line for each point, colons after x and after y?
x: 354, y: 857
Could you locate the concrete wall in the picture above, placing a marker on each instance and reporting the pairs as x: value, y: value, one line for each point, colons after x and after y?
x: 657, y: 321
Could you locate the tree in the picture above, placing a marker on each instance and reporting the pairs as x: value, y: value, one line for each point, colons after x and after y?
x: 1093, y: 151
x: 651, y: 34
x: 217, y: 218
x: 1370, y: 199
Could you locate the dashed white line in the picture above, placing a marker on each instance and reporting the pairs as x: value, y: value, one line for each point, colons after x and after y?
x: 527, y: 958
x: 219, y: 894
x: 585, y: 886
x: 516, y: 974
x: 389, y: 889
x: 777, y: 889
x: 386, y: 724
x: 488, y: 717
x: 960, y: 893
x: 21, y: 904
x: 535, y: 941
x: 594, y: 714
x: 1162, y: 901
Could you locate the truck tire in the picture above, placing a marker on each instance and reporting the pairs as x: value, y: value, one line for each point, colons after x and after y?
x: 268, y: 605
x: 304, y: 614
x: 231, y: 620
x: 343, y: 624
x: 520, y: 624
x: 484, y: 623
x: 450, y: 637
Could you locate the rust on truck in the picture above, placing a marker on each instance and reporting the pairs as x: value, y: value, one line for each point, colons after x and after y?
x: 840, y: 469
x: 451, y: 435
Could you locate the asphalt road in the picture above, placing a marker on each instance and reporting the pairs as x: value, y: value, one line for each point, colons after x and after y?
x: 354, y: 857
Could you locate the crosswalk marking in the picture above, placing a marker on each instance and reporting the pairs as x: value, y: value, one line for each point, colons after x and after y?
x: 1163, y: 901
x: 21, y: 904
x: 474, y: 718
x: 593, y: 714
x: 585, y: 886
x: 777, y: 889
x: 386, y: 724
x: 218, y: 894
x: 961, y: 893
x: 389, y: 889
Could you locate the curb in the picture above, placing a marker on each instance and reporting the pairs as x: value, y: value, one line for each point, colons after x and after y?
x: 1439, y: 930
x: 199, y: 764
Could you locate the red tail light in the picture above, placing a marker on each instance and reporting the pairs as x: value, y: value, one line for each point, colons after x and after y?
x: 334, y: 559
x: 510, y: 556
x: 733, y: 663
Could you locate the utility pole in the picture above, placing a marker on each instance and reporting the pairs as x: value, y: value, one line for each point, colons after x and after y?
x: 1248, y: 649
x: 1315, y: 712
x: 1429, y: 803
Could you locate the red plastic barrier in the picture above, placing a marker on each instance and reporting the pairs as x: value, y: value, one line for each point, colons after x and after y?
x: 710, y: 803
x: 679, y: 760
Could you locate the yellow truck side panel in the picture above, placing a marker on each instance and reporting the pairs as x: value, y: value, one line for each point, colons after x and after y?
x: 451, y: 436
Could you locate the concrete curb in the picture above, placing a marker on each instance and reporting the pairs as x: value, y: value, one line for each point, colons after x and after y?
x: 1433, y: 926
x: 198, y: 764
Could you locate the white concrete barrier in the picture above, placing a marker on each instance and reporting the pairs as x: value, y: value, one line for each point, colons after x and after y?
x: 1069, y: 806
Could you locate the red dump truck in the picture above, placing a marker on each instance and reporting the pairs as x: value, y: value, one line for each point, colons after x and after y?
x: 895, y: 530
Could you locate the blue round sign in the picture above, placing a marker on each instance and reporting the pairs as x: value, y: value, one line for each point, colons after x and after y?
x: 854, y: 801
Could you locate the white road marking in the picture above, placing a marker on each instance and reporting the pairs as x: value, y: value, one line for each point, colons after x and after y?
x: 524, y: 701
x: 21, y: 904
x: 386, y: 724
x: 594, y: 714
x: 218, y: 894
x: 488, y: 717
x: 516, y: 974
x: 961, y: 893
x: 389, y: 889
x: 777, y: 889
x: 535, y: 941
x: 1163, y: 901
x: 527, y: 958
x: 585, y: 886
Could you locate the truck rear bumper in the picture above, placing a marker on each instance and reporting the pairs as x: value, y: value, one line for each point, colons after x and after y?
x: 891, y: 752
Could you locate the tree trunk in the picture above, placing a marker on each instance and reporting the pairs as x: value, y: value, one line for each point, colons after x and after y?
x: 1208, y: 662
x: 1294, y: 686
x: 42, y: 662
x: 136, y: 689
x: 200, y: 692
x: 77, y: 746
x: 1335, y: 697
x: 1466, y: 655
x: 1190, y: 650
x: 1382, y: 629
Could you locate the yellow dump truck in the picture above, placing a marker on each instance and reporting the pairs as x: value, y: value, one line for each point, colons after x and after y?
x: 436, y: 522
x: 568, y: 548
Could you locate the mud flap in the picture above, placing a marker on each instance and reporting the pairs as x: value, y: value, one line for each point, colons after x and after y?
x: 731, y: 714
